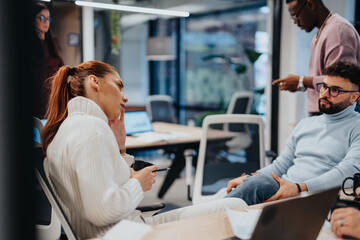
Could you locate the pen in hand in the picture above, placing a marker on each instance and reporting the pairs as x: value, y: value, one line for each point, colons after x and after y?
x: 162, y: 169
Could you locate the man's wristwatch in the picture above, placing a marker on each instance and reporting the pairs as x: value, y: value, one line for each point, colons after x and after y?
x: 300, y: 86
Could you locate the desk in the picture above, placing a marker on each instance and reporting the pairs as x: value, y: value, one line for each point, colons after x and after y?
x: 193, y: 137
x: 190, y: 141
x: 213, y: 226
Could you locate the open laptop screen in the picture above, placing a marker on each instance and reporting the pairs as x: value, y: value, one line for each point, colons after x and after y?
x: 137, y: 122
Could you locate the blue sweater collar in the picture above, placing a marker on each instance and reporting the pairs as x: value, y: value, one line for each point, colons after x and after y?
x: 347, y: 112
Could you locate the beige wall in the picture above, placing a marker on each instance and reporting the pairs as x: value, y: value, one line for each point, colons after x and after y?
x: 66, y: 19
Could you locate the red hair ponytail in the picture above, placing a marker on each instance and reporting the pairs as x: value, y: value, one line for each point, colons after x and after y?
x: 68, y: 83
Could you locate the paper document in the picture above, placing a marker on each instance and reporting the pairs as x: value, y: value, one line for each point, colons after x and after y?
x: 157, y: 136
x: 243, y: 223
x: 326, y: 233
x: 127, y: 230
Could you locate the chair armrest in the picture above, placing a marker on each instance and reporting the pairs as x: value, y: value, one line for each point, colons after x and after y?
x: 152, y: 207
x: 271, y: 155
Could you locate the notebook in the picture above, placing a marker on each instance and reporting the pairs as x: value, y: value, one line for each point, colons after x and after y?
x: 299, y: 218
x: 137, y: 122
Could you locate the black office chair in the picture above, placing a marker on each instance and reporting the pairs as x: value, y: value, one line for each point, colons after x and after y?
x: 45, y: 185
x: 47, y: 224
x: 160, y: 108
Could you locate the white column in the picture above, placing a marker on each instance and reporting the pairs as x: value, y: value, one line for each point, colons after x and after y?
x: 268, y: 91
x: 88, y: 33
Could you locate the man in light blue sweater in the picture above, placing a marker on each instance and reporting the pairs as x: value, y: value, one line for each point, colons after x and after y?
x: 321, y: 151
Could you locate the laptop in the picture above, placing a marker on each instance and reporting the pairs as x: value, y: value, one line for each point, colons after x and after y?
x: 137, y: 122
x: 298, y: 218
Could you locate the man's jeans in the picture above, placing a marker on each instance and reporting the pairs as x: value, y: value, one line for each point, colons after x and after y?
x: 255, y: 189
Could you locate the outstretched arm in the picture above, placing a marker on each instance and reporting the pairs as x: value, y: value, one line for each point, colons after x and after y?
x: 291, y: 82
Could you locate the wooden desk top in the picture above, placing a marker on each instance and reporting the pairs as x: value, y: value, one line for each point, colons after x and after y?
x: 193, y: 135
x: 211, y: 227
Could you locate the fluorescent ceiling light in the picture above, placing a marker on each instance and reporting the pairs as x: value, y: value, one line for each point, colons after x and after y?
x: 45, y: 0
x: 133, y: 9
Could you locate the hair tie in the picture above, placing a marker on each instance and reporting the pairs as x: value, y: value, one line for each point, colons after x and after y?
x: 72, y: 71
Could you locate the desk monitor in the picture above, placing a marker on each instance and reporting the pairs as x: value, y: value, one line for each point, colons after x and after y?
x: 296, y: 219
x: 137, y: 122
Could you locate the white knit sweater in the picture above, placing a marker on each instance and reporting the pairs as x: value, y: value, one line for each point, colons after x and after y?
x: 89, y: 176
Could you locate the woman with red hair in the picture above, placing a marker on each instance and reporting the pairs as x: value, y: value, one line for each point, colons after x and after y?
x: 86, y: 163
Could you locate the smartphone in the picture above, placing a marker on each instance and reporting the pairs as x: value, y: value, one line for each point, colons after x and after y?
x: 162, y: 169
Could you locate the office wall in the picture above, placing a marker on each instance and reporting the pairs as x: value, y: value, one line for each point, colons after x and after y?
x: 295, y: 55
x: 66, y: 26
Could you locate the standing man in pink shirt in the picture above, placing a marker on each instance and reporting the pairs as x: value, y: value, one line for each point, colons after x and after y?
x: 336, y: 40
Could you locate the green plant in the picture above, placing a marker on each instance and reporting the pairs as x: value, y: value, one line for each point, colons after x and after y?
x: 239, y: 68
x: 115, y: 30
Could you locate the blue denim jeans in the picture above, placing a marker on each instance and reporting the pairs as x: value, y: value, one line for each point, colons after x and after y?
x: 255, y: 189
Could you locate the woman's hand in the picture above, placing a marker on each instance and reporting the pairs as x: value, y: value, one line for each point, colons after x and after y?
x: 145, y: 176
x: 118, y: 127
x: 346, y: 222
x: 286, y: 190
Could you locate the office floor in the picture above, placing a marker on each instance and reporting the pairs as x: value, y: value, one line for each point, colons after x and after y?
x: 176, y: 196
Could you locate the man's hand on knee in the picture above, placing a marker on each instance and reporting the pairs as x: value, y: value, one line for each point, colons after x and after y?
x: 234, y: 183
x: 237, y: 181
x: 286, y: 190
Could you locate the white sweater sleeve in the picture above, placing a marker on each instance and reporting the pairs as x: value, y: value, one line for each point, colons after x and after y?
x: 107, y: 192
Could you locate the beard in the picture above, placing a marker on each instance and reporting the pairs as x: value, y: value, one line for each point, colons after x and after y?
x: 333, y: 108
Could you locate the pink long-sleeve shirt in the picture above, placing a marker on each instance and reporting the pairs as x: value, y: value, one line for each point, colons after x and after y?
x: 338, y: 41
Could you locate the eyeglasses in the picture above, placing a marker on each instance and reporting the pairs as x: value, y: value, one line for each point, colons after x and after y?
x: 43, y: 18
x: 333, y: 91
x: 296, y: 16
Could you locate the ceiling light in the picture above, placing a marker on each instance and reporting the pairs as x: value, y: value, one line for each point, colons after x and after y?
x: 133, y: 9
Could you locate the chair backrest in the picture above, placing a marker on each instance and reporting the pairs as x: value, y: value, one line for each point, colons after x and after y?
x: 225, y: 154
x: 38, y: 126
x: 240, y: 103
x: 47, y: 223
x: 45, y: 185
x: 160, y: 108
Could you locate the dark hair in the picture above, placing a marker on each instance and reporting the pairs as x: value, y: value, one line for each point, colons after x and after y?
x: 68, y: 83
x: 49, y: 37
x: 347, y: 70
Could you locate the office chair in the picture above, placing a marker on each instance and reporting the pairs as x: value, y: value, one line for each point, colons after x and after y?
x: 160, y: 108
x: 47, y: 224
x: 240, y: 103
x: 45, y: 185
x: 215, y: 168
